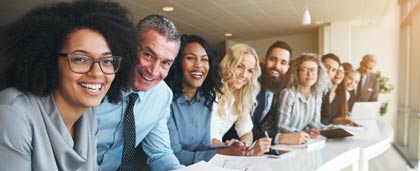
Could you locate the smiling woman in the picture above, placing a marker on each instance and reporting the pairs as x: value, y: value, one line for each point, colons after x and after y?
x: 64, y: 57
x: 240, y: 86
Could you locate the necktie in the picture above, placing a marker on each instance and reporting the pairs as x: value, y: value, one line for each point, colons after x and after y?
x: 359, y: 88
x: 127, y: 160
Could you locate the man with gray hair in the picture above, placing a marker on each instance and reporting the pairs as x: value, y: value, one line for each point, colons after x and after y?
x: 141, y: 117
x: 368, y: 87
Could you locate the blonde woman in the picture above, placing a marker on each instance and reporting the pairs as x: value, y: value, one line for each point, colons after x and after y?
x: 240, y: 71
x: 351, y: 80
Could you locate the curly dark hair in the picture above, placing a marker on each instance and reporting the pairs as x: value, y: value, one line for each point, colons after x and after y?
x: 212, y: 83
x: 35, y: 40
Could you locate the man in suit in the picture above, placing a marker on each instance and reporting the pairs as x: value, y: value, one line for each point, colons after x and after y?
x: 368, y: 88
x: 274, y: 67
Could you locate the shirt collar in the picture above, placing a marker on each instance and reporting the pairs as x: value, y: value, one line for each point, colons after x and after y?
x: 183, y: 98
x: 126, y: 93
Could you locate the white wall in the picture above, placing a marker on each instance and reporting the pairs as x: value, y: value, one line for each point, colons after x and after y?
x: 381, y: 40
x: 352, y: 40
x: 303, y: 42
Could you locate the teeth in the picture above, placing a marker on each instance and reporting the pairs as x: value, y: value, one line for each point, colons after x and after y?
x: 95, y: 87
x: 197, y: 73
x: 275, y: 72
x: 146, y: 78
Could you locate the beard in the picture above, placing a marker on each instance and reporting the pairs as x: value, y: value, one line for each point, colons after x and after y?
x: 268, y: 81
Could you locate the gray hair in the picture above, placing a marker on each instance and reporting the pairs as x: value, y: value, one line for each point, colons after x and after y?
x: 369, y: 57
x: 160, y: 24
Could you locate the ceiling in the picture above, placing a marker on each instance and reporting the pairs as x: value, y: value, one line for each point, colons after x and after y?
x: 245, y: 19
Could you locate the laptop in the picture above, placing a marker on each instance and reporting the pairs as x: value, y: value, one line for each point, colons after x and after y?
x: 365, y: 110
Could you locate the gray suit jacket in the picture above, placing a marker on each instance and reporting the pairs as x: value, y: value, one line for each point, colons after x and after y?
x: 369, y: 92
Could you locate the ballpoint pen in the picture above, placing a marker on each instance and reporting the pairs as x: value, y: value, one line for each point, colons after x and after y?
x: 266, y: 134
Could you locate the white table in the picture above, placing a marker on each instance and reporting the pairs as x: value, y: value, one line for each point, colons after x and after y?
x: 353, y: 151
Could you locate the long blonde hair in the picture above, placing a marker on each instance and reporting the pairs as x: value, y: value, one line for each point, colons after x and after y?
x: 244, y: 99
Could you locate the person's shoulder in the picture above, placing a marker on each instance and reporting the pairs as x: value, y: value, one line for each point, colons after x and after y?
x: 16, y: 105
x: 161, y: 91
x: 8, y: 96
x: 14, y: 98
x: 290, y: 92
x: 161, y: 88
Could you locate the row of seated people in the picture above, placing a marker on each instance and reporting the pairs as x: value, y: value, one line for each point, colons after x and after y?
x: 289, y: 100
x: 84, y: 91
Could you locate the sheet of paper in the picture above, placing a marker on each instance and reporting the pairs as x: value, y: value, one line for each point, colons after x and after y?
x: 246, y: 163
x: 202, y: 165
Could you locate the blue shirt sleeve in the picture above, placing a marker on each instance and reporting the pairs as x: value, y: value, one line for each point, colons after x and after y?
x: 157, y: 147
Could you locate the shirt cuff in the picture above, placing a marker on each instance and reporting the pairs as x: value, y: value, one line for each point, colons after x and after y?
x: 276, y: 139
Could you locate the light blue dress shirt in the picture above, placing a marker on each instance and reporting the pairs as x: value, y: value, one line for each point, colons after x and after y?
x: 189, y: 128
x: 151, y: 113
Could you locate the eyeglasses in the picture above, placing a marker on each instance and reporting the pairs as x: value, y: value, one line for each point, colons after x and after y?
x: 306, y: 70
x: 82, y: 63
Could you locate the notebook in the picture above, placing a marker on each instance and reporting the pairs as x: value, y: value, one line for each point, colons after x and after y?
x: 365, y: 110
x: 335, y: 133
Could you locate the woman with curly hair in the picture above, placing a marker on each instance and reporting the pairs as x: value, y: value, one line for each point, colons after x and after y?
x: 240, y: 86
x: 64, y: 57
x: 300, y: 104
x: 194, y: 79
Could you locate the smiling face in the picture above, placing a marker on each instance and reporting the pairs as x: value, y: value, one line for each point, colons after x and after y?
x: 195, y: 65
x: 339, y: 76
x: 156, y: 55
x: 351, y: 81
x: 366, y: 67
x: 244, y: 70
x: 331, y: 66
x: 308, y: 73
x: 81, y: 91
x: 277, y: 62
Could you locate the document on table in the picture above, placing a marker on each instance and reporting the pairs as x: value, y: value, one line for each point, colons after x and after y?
x: 247, y: 163
x: 202, y: 165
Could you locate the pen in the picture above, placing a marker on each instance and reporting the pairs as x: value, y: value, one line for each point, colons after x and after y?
x: 266, y: 134
x: 252, y: 145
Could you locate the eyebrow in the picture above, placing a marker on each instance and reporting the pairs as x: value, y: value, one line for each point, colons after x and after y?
x: 86, y: 52
x: 150, y: 50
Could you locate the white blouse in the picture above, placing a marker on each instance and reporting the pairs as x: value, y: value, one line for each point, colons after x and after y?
x: 221, y: 124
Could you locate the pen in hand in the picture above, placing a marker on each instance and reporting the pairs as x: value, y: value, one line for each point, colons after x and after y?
x: 252, y: 145
x: 266, y: 134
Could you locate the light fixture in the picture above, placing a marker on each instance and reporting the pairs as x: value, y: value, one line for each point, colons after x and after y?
x: 168, y: 9
x: 228, y: 34
x: 306, y: 17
